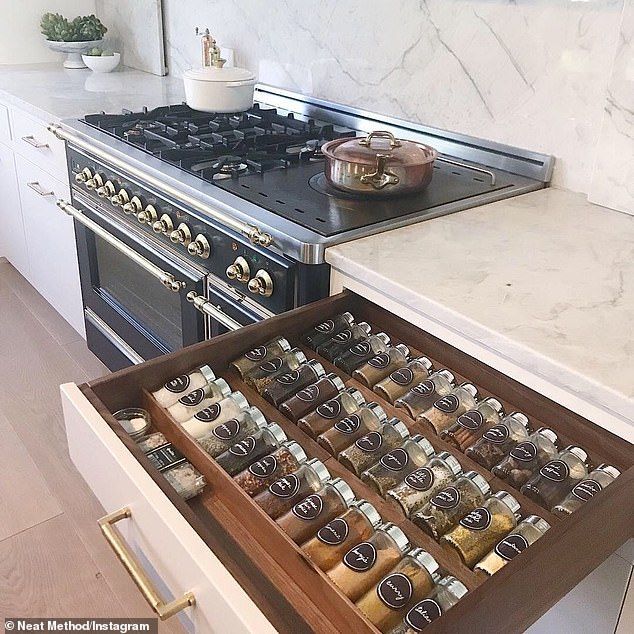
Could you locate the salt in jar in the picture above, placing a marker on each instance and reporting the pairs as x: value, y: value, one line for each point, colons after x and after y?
x: 181, y: 385
x: 206, y: 419
x: 199, y: 399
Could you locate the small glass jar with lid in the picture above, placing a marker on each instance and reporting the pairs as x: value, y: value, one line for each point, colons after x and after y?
x: 198, y: 400
x: 596, y: 481
x: 444, y: 412
x: 470, y: 426
x: 223, y: 435
x: 135, y: 421
x: 206, y: 419
x: 265, y: 373
x: 289, y: 383
x: 401, y: 380
x: 309, y: 398
x: 328, y: 413
x: 327, y: 329
x: 340, y: 342
x: 183, y: 384
x: 422, y: 396
x: 252, y: 359
x: 382, y: 365
x: 358, y: 353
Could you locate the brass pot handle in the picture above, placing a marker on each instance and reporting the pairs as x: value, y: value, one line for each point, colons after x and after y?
x: 380, y: 134
x: 381, y: 177
x: 163, y: 610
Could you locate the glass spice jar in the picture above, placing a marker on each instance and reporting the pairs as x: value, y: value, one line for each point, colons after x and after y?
x: 340, y: 342
x: 310, y: 514
x: 328, y: 413
x: 333, y: 540
x: 363, y: 566
x: 479, y: 530
x: 251, y: 360
x: 181, y: 385
x: 552, y: 483
x: 445, y: 509
x: 401, y: 380
x: 528, y: 531
x: 395, y: 465
x: 135, y: 421
x: 312, y: 396
x: 345, y: 431
x: 223, y: 435
x: 281, y: 462
x: 472, y: 424
x: 286, y: 385
x: 152, y: 442
x: 524, y: 459
x: 281, y: 495
x: 444, y: 412
x: 246, y: 451
x: 368, y: 449
x: 327, y: 329
x: 499, y: 440
x: 382, y: 365
x: 422, y: 484
x: 596, y: 481
x: 423, y: 395
x: 199, y: 399
x: 204, y: 421
x: 357, y: 354
x: 265, y: 373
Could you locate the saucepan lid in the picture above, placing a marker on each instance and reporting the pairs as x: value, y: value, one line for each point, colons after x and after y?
x: 214, y: 73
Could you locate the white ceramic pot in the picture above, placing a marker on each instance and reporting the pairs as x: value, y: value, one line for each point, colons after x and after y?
x: 219, y: 89
x: 102, y: 63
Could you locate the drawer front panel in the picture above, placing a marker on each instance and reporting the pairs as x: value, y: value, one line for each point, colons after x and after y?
x: 5, y: 127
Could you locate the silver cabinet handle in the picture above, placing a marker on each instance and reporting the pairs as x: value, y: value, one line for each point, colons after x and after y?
x: 31, y: 141
x: 37, y: 188
x: 205, y: 306
x: 167, y: 279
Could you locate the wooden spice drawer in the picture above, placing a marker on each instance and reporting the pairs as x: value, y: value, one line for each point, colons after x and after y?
x: 271, y: 582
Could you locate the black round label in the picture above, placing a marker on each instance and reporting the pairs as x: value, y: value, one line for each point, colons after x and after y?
x: 586, y: 489
x: 288, y: 378
x: 272, y: 365
x: 330, y: 409
x: 209, y: 414
x: 257, y: 354
x: 309, y: 508
x: 244, y: 447
x: 343, y: 336
x: 334, y: 533
x: 193, y: 398
x: 349, y: 424
x: 497, y: 434
x: 421, y: 479
x: 226, y: 431
x: 361, y: 557
x: 308, y: 394
x: 477, y: 520
x: 472, y: 419
x: 264, y: 468
x: 447, y: 498
x: 447, y: 404
x: 402, y: 376
x: 179, y: 384
x: 361, y: 349
x: 325, y: 326
x: 422, y: 614
x: 395, y: 460
x: 555, y: 470
x: 395, y: 590
x: 380, y: 361
x: 285, y: 487
x: 511, y: 546
x: 524, y: 452
x: 425, y: 388
x: 370, y: 442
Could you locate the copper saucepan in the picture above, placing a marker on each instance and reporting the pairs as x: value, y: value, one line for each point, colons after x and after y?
x: 378, y: 165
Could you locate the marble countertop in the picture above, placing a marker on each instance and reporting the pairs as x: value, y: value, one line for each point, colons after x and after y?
x: 540, y: 286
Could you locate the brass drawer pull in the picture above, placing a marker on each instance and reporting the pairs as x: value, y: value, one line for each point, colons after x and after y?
x: 38, y: 189
x: 36, y: 144
x: 163, y: 610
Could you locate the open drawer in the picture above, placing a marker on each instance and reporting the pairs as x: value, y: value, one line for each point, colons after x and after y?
x: 245, y: 574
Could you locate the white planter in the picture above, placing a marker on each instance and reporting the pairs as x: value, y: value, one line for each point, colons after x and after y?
x: 73, y: 51
x: 219, y: 89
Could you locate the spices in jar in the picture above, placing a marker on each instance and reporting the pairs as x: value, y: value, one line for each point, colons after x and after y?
x: 363, y: 566
x: 444, y: 412
x: 448, y: 506
x: 472, y: 424
x: 134, y: 420
x: 552, y: 483
x: 223, y: 435
x: 246, y: 451
x: 368, y: 449
x: 152, y: 441
x: 423, y: 395
x: 327, y: 329
x: 328, y: 413
x: 340, y: 342
x: 309, y: 398
x: 281, y: 462
x: 310, y: 514
x: 394, y: 466
x: 265, y: 373
x: 402, y: 380
x: 498, y: 441
x: 422, y: 484
x: 528, y: 531
x: 281, y: 495
x: 480, y: 529
x: 346, y: 430
x: 289, y: 383
x: 524, y: 459
x: 382, y: 365
x: 181, y: 385
x: 412, y: 579
x: 250, y: 360
x: 358, y: 353
x: 205, y: 420
x: 333, y: 540
x: 596, y: 481
x: 199, y: 399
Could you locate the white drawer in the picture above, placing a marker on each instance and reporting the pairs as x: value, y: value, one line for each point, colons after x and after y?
x: 5, y: 127
x: 164, y: 541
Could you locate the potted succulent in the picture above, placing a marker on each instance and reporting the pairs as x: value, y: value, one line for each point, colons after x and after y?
x: 72, y: 37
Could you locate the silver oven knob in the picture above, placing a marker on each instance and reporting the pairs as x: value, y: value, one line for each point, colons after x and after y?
x: 261, y: 284
x: 163, y: 225
x: 148, y: 215
x: 120, y: 199
x: 133, y: 206
x: 95, y: 182
x: 106, y: 190
x: 181, y: 235
x: 83, y: 176
x: 239, y: 270
x: 200, y: 247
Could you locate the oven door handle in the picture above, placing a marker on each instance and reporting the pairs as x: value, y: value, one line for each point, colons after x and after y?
x: 205, y: 306
x: 167, y: 279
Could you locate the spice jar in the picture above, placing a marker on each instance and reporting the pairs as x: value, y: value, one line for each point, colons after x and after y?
x: 312, y: 396
x: 134, y: 420
x: 204, y: 421
x: 479, y: 530
x: 472, y: 424
x: 246, y: 451
x: 422, y: 484
x: 444, y: 412
x: 286, y: 385
x: 499, y: 440
x: 392, y: 468
x: 412, y: 579
x: 363, y: 566
x: 552, y: 483
x: 346, y: 430
x: 281, y: 462
x: 423, y: 395
x: 382, y: 365
x: 199, y: 399
x: 225, y: 434
x: 444, y: 509
x: 328, y: 413
x: 152, y: 442
x: 368, y: 449
x: 597, y: 480
x: 527, y: 532
x: 524, y: 459
x: 265, y: 373
x: 310, y: 514
x: 281, y: 495
x: 333, y: 540
x: 327, y: 329
x: 357, y: 354
x: 181, y: 385
x: 400, y: 381
x: 252, y: 359
x: 340, y: 342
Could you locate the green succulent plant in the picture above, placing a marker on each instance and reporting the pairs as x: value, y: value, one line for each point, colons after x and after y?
x: 57, y: 28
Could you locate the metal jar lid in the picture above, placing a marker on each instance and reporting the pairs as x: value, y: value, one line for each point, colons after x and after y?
x: 320, y: 469
x: 207, y: 372
x: 344, y: 490
x: 425, y: 362
x: 457, y: 588
x: 336, y: 381
x: 356, y: 395
x: 575, y: 450
x: 401, y: 347
x: 223, y: 386
x: 536, y: 521
x: 349, y: 317
x: 451, y: 462
x: 424, y: 444
x: 508, y: 499
x: 448, y: 375
x: 365, y: 326
x: 317, y: 368
x: 520, y: 418
x: 239, y: 399
x: 295, y: 449
x: 609, y: 469
x: 399, y: 426
x: 299, y: 355
x: 471, y: 388
x: 495, y: 404
x: 397, y: 535
x: 384, y: 337
x: 424, y: 559
x: 283, y: 343
x: 377, y: 410
x: 277, y: 432
x: 479, y: 481
x: 546, y: 432
x: 369, y: 511
x: 257, y: 417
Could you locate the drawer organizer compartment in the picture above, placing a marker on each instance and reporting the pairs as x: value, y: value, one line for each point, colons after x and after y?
x: 289, y: 589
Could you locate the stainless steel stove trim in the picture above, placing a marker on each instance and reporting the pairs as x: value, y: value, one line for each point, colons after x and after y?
x: 123, y: 347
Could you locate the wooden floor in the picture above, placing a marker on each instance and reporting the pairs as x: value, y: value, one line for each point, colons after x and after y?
x: 53, y: 559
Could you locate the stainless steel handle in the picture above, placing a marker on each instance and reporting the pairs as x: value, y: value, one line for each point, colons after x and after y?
x: 31, y: 141
x: 253, y: 233
x: 37, y: 188
x: 167, y: 279
x: 205, y: 306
